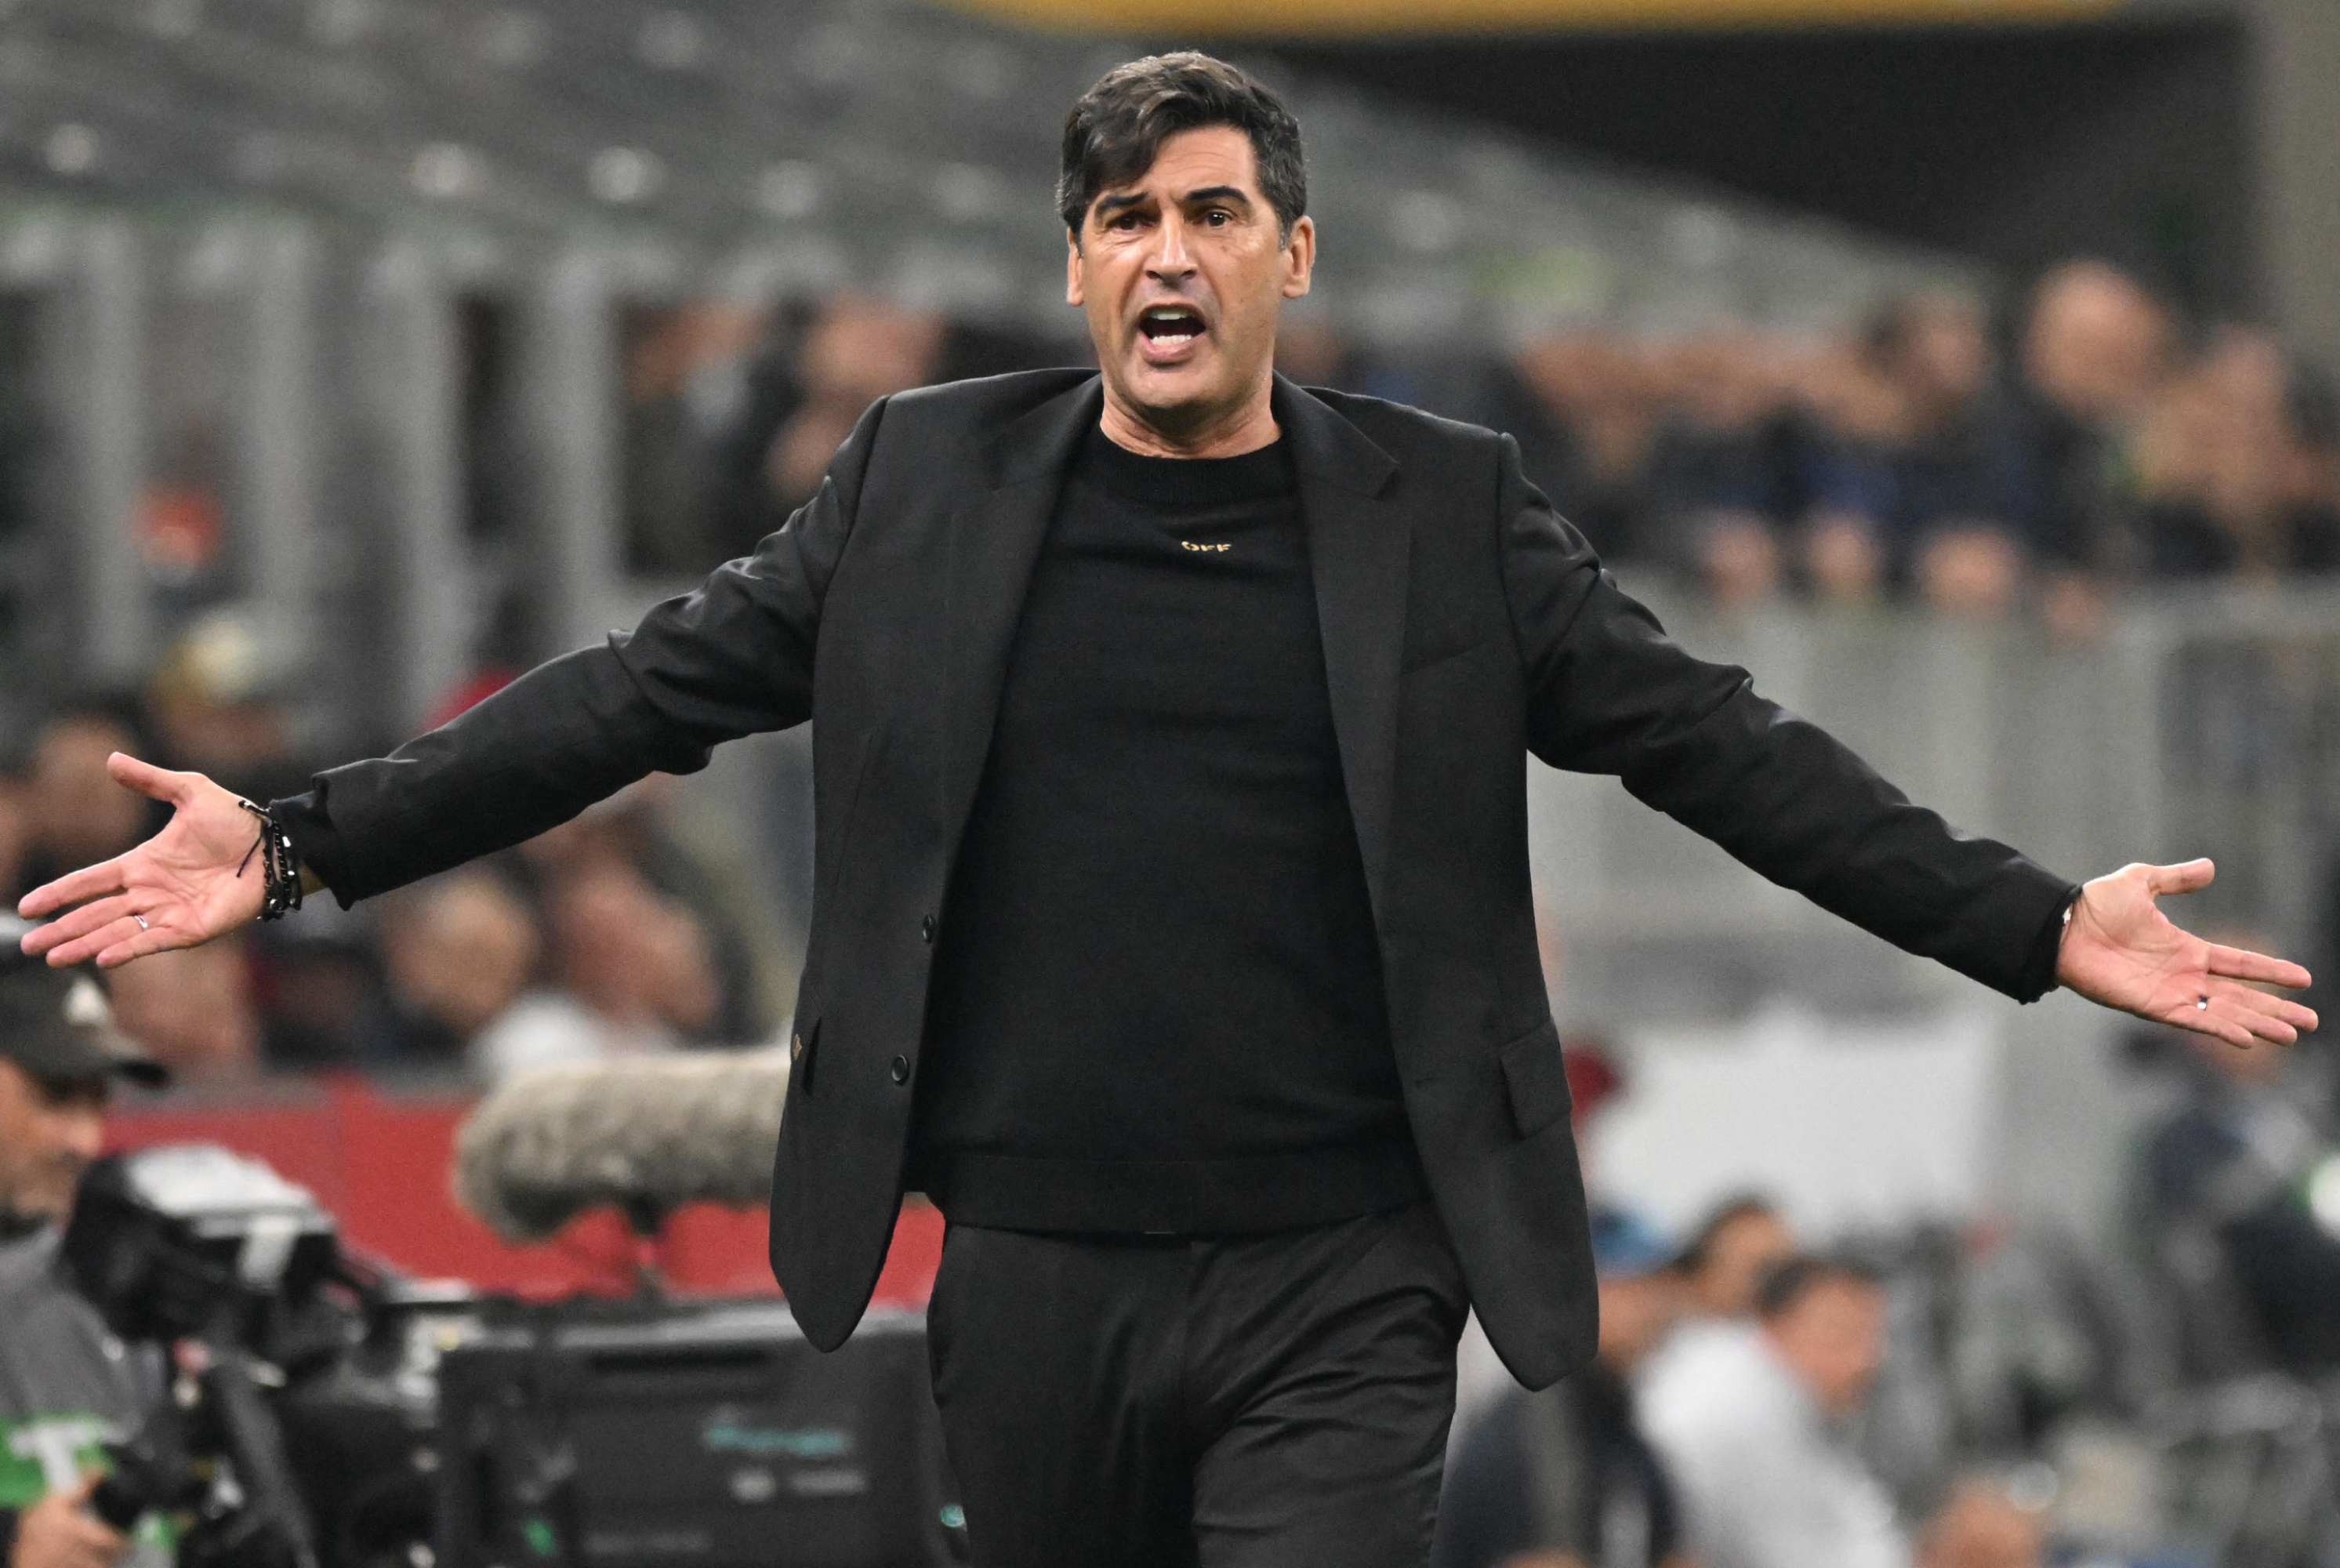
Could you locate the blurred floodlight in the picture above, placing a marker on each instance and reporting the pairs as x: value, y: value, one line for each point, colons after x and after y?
x: 1426, y: 222
x: 340, y: 23
x: 446, y: 171
x: 512, y: 38
x: 983, y: 72
x: 967, y: 193
x: 175, y: 18
x: 623, y: 175
x: 789, y: 190
x: 1702, y: 238
x: 832, y: 54
x: 71, y: 149
x: 671, y: 40
x: 2324, y: 1194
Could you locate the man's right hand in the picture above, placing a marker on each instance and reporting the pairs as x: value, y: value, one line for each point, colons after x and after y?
x: 58, y: 1532
x: 196, y: 879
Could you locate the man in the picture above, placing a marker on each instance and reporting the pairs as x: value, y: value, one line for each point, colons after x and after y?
x: 1174, y: 926
x: 1562, y: 1477
x: 67, y: 1384
x: 1750, y: 1428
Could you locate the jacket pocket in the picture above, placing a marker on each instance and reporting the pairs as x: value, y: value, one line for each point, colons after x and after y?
x: 1535, y: 1076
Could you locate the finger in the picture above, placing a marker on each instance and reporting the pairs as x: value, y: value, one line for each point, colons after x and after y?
x: 155, y: 783
x: 89, y: 882
x: 2218, y: 1020
x: 2183, y: 877
x: 116, y: 942
x: 95, y: 1535
x: 2242, y: 964
x: 76, y: 924
x: 136, y: 944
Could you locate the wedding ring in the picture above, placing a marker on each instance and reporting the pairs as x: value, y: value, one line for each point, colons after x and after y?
x: 142, y: 922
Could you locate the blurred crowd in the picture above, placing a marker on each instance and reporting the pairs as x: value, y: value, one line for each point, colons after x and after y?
x: 1985, y: 1398
x: 602, y: 938
x: 2034, y: 461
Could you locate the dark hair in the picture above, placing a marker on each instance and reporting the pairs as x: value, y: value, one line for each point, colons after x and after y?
x: 1699, y: 1251
x: 1789, y: 1281
x: 1115, y: 132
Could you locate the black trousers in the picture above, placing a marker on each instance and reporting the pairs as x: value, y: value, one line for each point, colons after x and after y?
x: 1275, y: 1400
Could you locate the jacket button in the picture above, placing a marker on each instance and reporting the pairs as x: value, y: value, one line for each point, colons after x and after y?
x: 796, y: 1046
x: 926, y: 928
x: 899, y: 1070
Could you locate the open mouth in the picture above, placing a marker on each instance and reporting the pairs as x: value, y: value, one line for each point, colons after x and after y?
x: 1166, y: 327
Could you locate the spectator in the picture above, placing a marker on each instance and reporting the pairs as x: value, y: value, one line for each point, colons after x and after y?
x: 67, y: 1384
x: 631, y: 974
x: 1980, y: 1527
x: 2247, y: 1272
x: 1719, y: 471
x: 1851, y: 420
x: 1584, y: 407
x: 858, y: 350
x: 193, y: 1009
x: 630, y: 832
x: 2234, y: 466
x: 1752, y: 1427
x: 2096, y: 352
x: 217, y: 703
x: 76, y: 815
x: 1563, y: 1478
x: 1960, y: 481
x: 1742, y: 1241
x: 458, y: 952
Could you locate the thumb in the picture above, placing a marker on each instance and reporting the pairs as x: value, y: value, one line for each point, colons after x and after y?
x: 155, y: 783
x: 2180, y: 878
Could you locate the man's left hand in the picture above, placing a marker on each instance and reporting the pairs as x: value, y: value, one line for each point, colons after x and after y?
x: 2120, y: 949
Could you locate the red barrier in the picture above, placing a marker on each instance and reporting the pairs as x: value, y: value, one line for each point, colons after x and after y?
x: 379, y: 1161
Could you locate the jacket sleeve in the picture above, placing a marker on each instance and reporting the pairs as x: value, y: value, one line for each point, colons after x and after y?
x: 733, y: 658
x: 1608, y: 693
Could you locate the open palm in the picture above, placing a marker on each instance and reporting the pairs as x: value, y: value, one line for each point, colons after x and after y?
x: 196, y: 879
x: 2121, y: 951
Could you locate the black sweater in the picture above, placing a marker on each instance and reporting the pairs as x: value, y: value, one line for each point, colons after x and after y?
x: 1156, y: 1001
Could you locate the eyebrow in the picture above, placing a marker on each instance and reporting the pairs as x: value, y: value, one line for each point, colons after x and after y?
x: 1107, y: 205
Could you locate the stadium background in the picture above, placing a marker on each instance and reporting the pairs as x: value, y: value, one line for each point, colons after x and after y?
x: 355, y: 354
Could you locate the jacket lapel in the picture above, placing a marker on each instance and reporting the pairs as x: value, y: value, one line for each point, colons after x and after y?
x: 995, y: 540
x: 1359, y: 544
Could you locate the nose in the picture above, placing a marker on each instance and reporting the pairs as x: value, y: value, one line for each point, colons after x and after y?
x: 1170, y: 263
x: 80, y: 1132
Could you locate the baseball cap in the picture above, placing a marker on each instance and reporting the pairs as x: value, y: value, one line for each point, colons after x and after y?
x: 55, y: 1023
x: 1625, y: 1246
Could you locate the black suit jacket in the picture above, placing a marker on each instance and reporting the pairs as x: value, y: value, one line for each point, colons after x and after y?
x: 1464, y: 626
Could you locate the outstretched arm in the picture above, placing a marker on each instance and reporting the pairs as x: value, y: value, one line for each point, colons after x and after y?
x: 2121, y: 951
x: 1608, y: 692
x: 733, y: 658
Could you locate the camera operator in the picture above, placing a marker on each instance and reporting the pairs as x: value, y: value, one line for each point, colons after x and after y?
x: 67, y: 1384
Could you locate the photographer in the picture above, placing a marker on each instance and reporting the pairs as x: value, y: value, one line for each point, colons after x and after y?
x: 67, y: 1384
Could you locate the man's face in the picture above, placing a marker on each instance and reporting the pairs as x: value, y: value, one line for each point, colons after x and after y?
x: 49, y: 1132
x: 1736, y: 1259
x: 1833, y: 1339
x: 1181, y: 273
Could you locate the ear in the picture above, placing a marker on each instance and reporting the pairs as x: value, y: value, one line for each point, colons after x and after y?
x: 1298, y: 257
x: 1075, y: 294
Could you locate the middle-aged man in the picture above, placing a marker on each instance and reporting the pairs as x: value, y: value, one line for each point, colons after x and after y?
x: 67, y: 1384
x: 1752, y: 1427
x: 1173, y: 929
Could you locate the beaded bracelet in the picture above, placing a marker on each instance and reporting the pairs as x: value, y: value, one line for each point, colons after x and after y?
x: 279, y: 868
